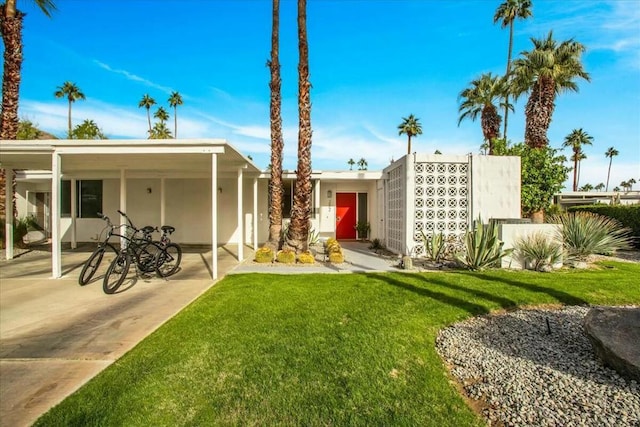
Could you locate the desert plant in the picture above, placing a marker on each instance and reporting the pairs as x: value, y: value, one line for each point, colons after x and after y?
x: 538, y: 251
x: 363, y: 227
x: 336, y: 257
x: 376, y: 245
x: 264, y: 255
x: 306, y: 258
x: 482, y: 248
x: 586, y: 233
x: 627, y: 215
x: 314, y: 237
x: 21, y: 227
x: 434, y: 246
x: 286, y: 256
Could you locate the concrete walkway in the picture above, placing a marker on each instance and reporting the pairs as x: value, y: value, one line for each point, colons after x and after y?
x: 56, y: 335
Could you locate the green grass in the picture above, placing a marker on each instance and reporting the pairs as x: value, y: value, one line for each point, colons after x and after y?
x: 353, y: 349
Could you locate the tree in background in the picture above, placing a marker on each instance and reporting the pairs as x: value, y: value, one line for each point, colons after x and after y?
x: 411, y: 127
x: 544, y: 72
x: 586, y: 187
x: 576, y: 140
x: 362, y: 164
x: 351, y: 162
x: 298, y: 230
x: 161, y: 114
x: 160, y: 131
x: 174, y: 101
x: 610, y: 153
x: 599, y: 187
x: 87, y: 130
x: 73, y: 93
x: 274, y: 240
x: 11, y: 31
x: 147, y: 102
x: 27, y: 130
x: 506, y: 14
x: 480, y: 99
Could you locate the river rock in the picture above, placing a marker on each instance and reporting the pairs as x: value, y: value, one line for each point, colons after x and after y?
x: 614, y: 333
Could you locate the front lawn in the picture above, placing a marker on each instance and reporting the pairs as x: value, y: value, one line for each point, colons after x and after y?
x: 340, y: 349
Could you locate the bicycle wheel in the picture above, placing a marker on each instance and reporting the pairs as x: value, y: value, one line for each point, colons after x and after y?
x: 168, y: 260
x: 91, y: 266
x: 116, y: 273
x: 146, y: 255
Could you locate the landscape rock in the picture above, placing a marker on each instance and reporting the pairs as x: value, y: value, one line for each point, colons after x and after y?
x: 614, y: 333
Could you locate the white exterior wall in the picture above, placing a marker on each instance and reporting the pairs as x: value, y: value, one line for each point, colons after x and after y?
x: 495, y: 187
x: 511, y: 233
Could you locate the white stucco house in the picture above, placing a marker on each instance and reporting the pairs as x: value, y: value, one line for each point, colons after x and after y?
x: 215, y: 195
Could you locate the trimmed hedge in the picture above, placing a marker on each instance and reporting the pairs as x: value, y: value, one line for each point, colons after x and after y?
x: 627, y: 215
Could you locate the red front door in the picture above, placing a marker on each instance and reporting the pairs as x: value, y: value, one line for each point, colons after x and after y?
x: 346, y: 215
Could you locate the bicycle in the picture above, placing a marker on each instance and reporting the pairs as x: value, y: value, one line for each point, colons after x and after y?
x: 93, y: 263
x: 162, y: 256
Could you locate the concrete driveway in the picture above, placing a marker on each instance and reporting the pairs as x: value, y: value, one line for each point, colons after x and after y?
x: 56, y: 335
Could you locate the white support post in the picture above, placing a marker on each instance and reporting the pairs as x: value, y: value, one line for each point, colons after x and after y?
x: 123, y: 203
x: 163, y: 205
x: 56, y: 245
x: 214, y: 215
x: 8, y: 209
x: 240, y: 219
x: 316, y: 202
x: 74, y: 199
x: 255, y: 214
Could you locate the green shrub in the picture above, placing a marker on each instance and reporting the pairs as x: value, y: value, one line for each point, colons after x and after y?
x: 482, y: 248
x: 286, y: 256
x: 586, y: 233
x: 376, y: 245
x: 306, y: 258
x: 336, y: 257
x: 627, y: 215
x: 538, y: 250
x: 434, y: 246
x: 264, y: 255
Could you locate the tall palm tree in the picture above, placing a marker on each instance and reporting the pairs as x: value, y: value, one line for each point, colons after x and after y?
x: 351, y: 162
x: 507, y: 13
x: 579, y: 157
x: 298, y: 230
x: 611, y: 153
x: 11, y: 31
x: 161, y: 114
x: 174, y: 100
x: 576, y: 140
x: 411, y: 127
x: 544, y: 72
x: 147, y: 102
x: 160, y: 131
x: 73, y: 93
x: 481, y: 98
x: 277, y: 143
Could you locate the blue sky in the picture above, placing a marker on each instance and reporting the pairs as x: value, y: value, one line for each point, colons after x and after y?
x: 372, y: 62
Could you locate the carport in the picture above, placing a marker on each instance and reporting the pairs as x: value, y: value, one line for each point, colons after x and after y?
x: 212, y: 159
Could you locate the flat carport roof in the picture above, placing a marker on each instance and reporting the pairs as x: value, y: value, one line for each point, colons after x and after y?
x: 212, y: 158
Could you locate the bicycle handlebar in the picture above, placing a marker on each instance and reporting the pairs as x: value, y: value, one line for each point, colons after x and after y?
x: 128, y: 219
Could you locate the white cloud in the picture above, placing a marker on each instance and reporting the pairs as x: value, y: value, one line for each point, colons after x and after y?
x: 133, y: 77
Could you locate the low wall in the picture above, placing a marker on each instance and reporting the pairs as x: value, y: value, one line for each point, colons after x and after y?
x: 511, y: 233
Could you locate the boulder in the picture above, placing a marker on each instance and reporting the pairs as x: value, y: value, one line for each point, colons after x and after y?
x: 614, y: 333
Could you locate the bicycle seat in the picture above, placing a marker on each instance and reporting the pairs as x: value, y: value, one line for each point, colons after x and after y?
x: 168, y: 229
x: 147, y: 229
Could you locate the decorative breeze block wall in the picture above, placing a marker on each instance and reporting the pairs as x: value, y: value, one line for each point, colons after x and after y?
x: 396, y: 208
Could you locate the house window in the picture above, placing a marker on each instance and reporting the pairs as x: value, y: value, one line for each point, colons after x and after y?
x: 88, y: 198
x: 362, y: 207
x: 288, y: 188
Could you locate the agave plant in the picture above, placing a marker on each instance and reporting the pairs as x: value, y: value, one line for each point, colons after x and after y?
x: 539, y: 251
x: 434, y: 245
x: 586, y: 233
x: 482, y: 248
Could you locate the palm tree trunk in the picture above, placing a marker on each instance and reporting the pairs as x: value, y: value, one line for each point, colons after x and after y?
x: 69, y: 132
x: 538, y: 112
x: 578, y: 178
x: 506, y: 97
x: 575, y: 172
x: 299, y: 227
x: 609, y: 173
x: 175, y: 122
x: 11, y: 28
x: 149, y: 120
x: 408, y: 143
x: 275, y: 184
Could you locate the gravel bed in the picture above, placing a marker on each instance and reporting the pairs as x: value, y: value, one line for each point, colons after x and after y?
x: 522, y: 375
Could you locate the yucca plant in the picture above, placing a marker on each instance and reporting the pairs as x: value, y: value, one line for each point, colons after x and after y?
x: 538, y: 251
x: 482, y: 248
x: 586, y: 233
x: 434, y: 246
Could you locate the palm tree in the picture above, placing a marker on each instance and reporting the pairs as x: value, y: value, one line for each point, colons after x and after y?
x: 362, y: 164
x: 73, y: 93
x: 586, y: 187
x: 599, y: 187
x: 580, y: 156
x: 174, y: 100
x: 298, y: 230
x: 160, y: 131
x: 147, y: 102
x: 277, y: 143
x: 508, y: 12
x: 544, y: 72
x: 630, y: 183
x: 611, y: 153
x: 87, y: 130
x: 351, y: 162
x: 411, y: 127
x: 161, y: 114
x: 481, y: 98
x: 576, y: 140
x: 11, y: 31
